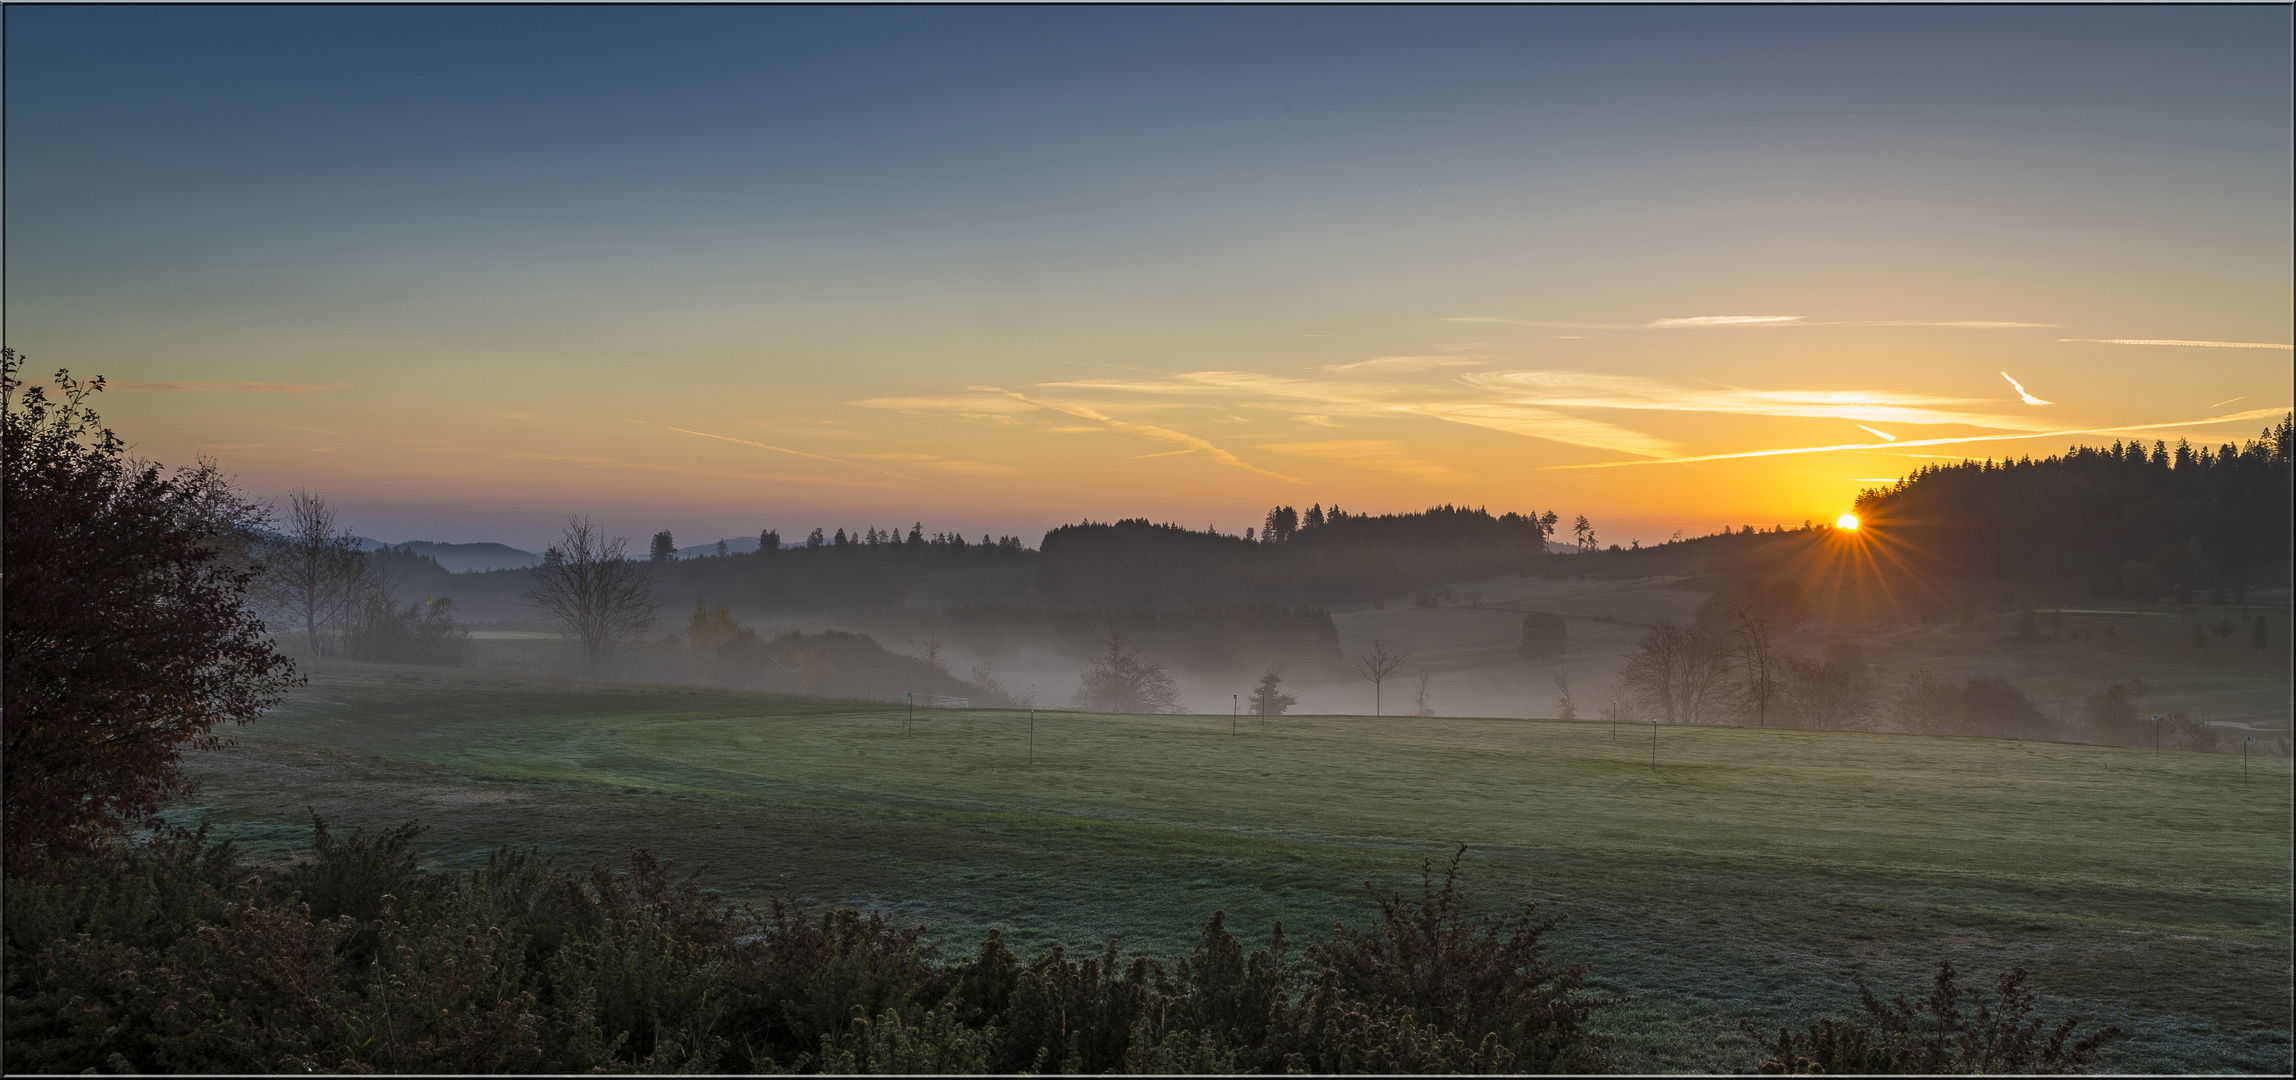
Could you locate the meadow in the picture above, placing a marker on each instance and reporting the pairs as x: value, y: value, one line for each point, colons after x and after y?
x: 1707, y: 873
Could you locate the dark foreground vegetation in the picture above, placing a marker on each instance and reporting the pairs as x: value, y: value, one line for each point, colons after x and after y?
x: 177, y: 956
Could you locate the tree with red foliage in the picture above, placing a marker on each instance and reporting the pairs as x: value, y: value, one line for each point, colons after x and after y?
x: 127, y: 632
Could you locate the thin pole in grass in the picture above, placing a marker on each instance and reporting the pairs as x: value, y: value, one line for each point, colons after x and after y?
x: 1235, y: 712
x: 2156, y: 734
x: 909, y: 725
x: 1654, y: 744
x: 1032, y: 736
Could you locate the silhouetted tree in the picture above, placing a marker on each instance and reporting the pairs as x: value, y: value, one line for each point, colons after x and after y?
x: 768, y: 542
x: 315, y: 577
x: 665, y: 549
x: 1565, y: 708
x: 1679, y: 674
x: 1831, y: 692
x: 128, y: 635
x: 1268, y: 699
x: 1122, y: 682
x: 593, y: 591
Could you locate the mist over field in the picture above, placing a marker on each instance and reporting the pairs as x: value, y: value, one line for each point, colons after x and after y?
x: 1148, y: 539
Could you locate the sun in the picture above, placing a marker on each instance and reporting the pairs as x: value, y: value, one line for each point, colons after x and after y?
x: 1848, y: 522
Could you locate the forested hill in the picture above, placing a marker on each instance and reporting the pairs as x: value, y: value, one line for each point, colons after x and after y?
x: 1313, y: 559
x: 2126, y: 520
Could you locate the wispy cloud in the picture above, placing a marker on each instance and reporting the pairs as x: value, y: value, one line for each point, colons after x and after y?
x: 1880, y: 434
x: 1379, y: 455
x: 1725, y: 320
x: 802, y: 454
x: 2029, y: 399
x: 1542, y: 325
x: 239, y: 387
x: 2169, y: 341
x: 1383, y: 365
x: 1707, y: 321
x: 1323, y: 398
x: 1151, y: 431
x: 1588, y: 390
x: 2252, y: 414
x: 1966, y: 324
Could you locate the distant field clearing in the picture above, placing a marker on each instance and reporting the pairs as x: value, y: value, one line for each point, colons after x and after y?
x: 1741, y: 874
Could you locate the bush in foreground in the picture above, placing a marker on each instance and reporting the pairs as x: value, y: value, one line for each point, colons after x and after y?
x: 1935, y: 1036
x: 176, y: 956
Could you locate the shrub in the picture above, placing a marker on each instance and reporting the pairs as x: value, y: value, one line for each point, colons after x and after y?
x: 1935, y: 1036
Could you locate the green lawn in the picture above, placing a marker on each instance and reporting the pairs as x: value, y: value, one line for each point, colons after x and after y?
x: 1743, y: 875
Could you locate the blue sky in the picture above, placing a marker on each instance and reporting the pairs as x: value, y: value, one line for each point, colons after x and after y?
x: 470, y: 269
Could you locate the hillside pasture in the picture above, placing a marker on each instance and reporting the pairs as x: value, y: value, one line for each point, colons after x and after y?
x: 1727, y: 873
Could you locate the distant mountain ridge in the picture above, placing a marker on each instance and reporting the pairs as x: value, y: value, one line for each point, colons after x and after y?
x: 465, y: 558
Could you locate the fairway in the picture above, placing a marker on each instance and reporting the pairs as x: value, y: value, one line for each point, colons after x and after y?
x: 1726, y: 872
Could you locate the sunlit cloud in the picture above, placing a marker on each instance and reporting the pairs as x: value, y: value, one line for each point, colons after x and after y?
x: 1150, y: 431
x: 1402, y: 364
x: 1439, y: 401
x: 1698, y: 321
x: 800, y: 453
x: 1966, y: 324
x: 236, y: 386
x: 2023, y: 393
x: 1588, y: 390
x: 1879, y: 434
x: 2168, y: 341
x: 2252, y: 414
x: 1725, y: 320
x: 1542, y: 325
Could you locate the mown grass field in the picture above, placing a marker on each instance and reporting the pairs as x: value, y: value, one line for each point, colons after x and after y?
x: 1744, y: 874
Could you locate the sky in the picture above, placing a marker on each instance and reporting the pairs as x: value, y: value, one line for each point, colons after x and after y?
x: 466, y: 271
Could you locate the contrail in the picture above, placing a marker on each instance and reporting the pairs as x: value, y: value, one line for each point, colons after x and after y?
x: 2252, y: 414
x: 803, y: 454
x: 1880, y: 434
x: 2229, y: 400
x: 1193, y: 444
x: 2029, y: 399
x: 2172, y: 341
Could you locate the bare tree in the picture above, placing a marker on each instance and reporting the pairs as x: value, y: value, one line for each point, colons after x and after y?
x: 1756, y: 660
x: 589, y: 585
x: 1376, y: 666
x: 1426, y: 680
x: 929, y: 647
x: 315, y: 577
x: 1678, y: 673
x: 1565, y: 708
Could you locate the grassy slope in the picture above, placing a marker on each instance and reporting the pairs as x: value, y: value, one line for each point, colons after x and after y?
x: 1743, y: 875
